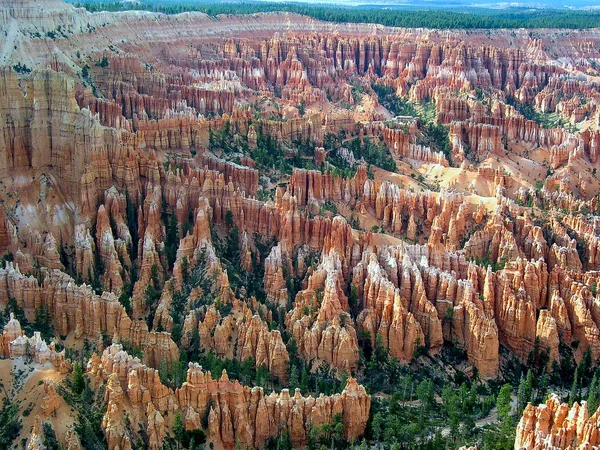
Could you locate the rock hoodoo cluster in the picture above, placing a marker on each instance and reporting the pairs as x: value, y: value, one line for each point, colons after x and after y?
x: 555, y: 425
x: 250, y: 195
x: 234, y: 412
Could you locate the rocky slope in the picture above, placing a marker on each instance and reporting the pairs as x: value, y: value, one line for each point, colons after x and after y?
x: 555, y: 425
x: 234, y: 413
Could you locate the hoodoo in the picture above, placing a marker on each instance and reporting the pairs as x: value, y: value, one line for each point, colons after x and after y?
x: 262, y: 229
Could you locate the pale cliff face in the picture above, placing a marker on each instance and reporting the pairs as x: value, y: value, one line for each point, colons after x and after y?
x: 555, y: 425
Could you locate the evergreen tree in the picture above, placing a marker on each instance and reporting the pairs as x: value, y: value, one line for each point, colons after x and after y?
x: 380, y: 354
x: 542, y: 389
x: 304, y: 380
x: 78, y: 379
x: 525, y: 392
x: 229, y: 222
x: 10, y: 423
x: 171, y: 240
x: 132, y: 222
x: 586, y: 367
x: 353, y: 300
x: 425, y: 394
x: 42, y: 322
x: 503, y: 401
x: 50, y: 439
x: 178, y: 429
x: 247, y: 369
x: 575, y: 392
x: 593, y: 399
x: 593, y: 402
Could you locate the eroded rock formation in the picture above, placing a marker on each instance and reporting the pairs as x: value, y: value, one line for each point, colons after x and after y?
x: 554, y: 425
x: 235, y: 412
x: 222, y: 195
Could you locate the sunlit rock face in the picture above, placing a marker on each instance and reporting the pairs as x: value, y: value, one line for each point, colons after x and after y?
x: 556, y: 425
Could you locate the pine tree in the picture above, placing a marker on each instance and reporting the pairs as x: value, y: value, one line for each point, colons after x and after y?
x: 294, y: 379
x: 586, y: 366
x: 503, y: 401
x: 247, y: 369
x: 163, y: 373
x: 132, y: 222
x: 592, y: 402
x: 42, y: 321
x: 304, y: 380
x: 593, y: 399
x: 529, y: 382
x: 575, y: 387
x: 542, y: 390
x: 229, y: 222
x: 78, y: 379
x: 353, y: 300
x: 525, y: 391
x: 425, y: 394
x: 178, y: 429
x: 171, y: 240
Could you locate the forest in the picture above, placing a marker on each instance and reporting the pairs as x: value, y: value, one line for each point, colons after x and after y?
x: 466, y: 18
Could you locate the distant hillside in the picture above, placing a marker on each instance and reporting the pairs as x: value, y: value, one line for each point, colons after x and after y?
x: 428, y: 14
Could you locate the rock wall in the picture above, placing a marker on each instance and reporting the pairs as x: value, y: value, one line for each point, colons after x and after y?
x: 78, y: 311
x: 236, y: 413
x: 554, y: 425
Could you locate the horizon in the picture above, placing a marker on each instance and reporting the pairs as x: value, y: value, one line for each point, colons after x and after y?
x: 450, y: 4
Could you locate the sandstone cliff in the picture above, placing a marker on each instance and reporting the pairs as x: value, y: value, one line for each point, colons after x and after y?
x: 555, y: 425
x: 235, y: 412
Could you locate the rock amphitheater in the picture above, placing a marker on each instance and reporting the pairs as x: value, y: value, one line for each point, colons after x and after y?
x: 119, y: 131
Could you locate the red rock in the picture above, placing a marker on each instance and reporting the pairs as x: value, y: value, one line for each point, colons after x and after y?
x: 236, y: 412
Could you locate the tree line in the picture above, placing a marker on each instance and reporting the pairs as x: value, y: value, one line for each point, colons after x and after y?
x: 511, y: 18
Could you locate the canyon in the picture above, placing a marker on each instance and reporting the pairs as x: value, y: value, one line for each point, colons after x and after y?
x: 290, y: 196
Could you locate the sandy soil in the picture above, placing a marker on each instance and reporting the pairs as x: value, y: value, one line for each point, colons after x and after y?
x: 6, y: 378
x: 24, y: 382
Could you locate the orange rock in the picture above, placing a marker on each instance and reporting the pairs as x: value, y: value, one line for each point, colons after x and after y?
x: 235, y: 412
x: 555, y: 425
x: 320, y: 323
